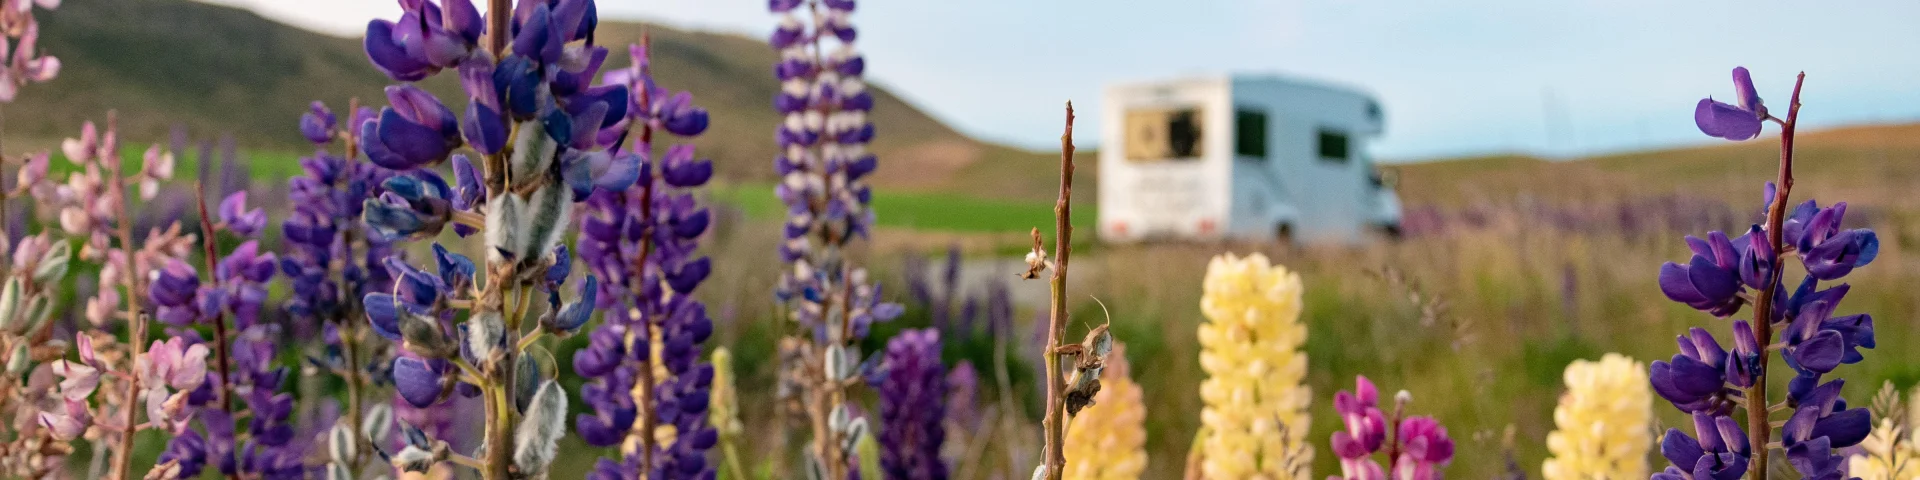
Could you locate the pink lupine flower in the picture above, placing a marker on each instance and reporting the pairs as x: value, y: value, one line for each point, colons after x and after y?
x: 175, y: 364
x: 78, y: 380
x: 70, y: 423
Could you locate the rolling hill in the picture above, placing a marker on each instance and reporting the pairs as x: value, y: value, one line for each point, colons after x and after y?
x: 221, y: 70
x: 1870, y: 165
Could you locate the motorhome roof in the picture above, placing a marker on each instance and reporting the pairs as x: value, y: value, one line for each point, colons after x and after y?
x: 1248, y: 78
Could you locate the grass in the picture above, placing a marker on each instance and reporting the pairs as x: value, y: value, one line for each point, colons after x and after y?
x: 925, y: 211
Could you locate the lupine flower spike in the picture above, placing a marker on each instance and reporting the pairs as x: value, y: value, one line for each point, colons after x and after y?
x: 650, y: 391
x: 1603, y: 422
x: 536, y: 138
x: 1710, y: 381
x: 1889, y: 452
x: 823, y: 165
x: 1255, y: 419
x: 1112, y: 433
x: 913, y: 387
x: 1417, y: 448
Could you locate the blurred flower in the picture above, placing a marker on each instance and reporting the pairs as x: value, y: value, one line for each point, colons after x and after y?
x: 1108, y: 441
x: 1602, y: 422
x: 912, y: 407
x: 1888, y: 453
x: 1250, y: 348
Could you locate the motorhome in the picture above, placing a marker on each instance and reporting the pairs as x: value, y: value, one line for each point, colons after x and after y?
x: 1241, y: 158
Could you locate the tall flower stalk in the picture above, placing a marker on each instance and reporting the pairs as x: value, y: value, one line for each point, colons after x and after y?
x: 1065, y: 395
x: 913, y: 389
x: 649, y: 382
x: 1602, y: 421
x: 93, y: 208
x: 332, y: 261
x: 1724, y: 275
x: 1255, y: 420
x: 823, y: 164
x: 264, y: 445
x: 541, y: 135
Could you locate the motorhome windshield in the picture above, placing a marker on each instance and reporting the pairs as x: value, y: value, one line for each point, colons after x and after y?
x: 1163, y: 134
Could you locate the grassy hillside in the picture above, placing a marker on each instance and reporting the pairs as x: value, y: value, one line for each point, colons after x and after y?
x: 221, y: 70
x: 1873, y: 165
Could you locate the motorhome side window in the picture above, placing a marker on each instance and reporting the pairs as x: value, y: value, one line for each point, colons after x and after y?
x: 1163, y: 134
x: 1333, y: 146
x: 1250, y: 134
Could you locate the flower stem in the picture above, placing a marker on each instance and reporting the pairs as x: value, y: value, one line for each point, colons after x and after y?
x: 643, y: 392
x: 1759, y: 429
x: 136, y: 324
x: 223, y: 389
x: 1056, y: 459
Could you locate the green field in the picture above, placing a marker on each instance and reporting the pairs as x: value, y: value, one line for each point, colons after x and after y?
x: 944, y: 212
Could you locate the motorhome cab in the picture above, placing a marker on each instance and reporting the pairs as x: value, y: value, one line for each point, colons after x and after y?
x: 1244, y: 158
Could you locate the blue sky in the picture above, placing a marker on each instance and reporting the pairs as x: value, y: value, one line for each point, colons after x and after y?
x: 1556, y: 78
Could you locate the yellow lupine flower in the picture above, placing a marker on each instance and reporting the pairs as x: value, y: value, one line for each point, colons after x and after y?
x: 1108, y: 441
x: 1603, y: 422
x: 1889, y: 454
x: 1255, y: 416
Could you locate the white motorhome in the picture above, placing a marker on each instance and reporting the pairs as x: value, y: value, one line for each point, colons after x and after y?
x: 1243, y: 158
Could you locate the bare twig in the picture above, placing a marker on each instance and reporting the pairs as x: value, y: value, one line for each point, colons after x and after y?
x: 1053, y: 422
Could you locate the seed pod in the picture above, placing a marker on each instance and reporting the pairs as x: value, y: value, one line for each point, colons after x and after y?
x: 485, y: 332
x: 836, y: 362
x: 19, y: 359
x: 423, y: 336
x: 377, y: 424
x: 533, y: 152
x: 536, y: 440
x: 505, y: 230
x: 10, y: 318
x: 341, y: 445
x: 337, y: 471
x: 53, y: 266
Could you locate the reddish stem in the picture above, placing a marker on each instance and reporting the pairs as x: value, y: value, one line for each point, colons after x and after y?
x: 1056, y: 329
x: 1759, y: 428
x: 223, y: 388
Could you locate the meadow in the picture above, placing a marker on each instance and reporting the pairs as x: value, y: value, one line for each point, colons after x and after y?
x: 540, y: 286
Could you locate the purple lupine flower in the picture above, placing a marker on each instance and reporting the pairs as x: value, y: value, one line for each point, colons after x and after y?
x: 1424, y: 448
x: 657, y: 215
x: 963, y: 394
x: 264, y: 445
x: 1703, y: 378
x: 1718, y: 119
x: 912, y: 406
x: 1366, y: 430
x: 823, y: 164
x: 1420, y: 445
x: 425, y: 40
x: 325, y: 227
x: 1720, y: 453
